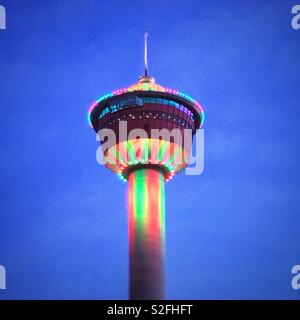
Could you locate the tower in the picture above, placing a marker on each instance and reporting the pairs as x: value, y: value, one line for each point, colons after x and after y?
x: 146, y: 135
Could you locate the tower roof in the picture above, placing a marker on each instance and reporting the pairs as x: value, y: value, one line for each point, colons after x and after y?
x: 146, y: 83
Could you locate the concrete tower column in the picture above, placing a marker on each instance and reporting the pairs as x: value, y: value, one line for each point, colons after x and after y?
x: 146, y: 220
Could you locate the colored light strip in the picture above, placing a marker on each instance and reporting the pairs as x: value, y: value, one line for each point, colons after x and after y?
x: 147, y: 151
x: 146, y: 87
x: 146, y: 225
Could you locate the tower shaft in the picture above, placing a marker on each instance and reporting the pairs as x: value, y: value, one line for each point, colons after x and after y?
x: 146, y: 219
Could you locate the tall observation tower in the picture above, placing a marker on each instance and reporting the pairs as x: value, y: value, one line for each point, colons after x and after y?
x: 146, y: 135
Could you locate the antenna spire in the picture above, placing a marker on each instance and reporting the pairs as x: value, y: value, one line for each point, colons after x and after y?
x: 146, y: 52
x: 145, y: 78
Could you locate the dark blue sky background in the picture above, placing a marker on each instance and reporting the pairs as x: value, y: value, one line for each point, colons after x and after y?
x: 232, y: 232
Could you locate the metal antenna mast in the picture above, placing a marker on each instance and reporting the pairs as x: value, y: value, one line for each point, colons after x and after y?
x: 146, y: 52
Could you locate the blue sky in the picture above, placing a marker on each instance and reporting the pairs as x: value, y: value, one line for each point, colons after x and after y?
x: 233, y: 233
